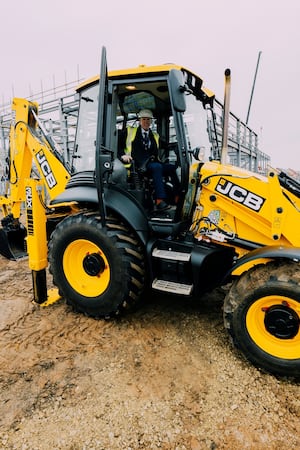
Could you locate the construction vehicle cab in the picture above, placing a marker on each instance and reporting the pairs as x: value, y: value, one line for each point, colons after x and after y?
x: 106, y: 243
x: 178, y: 102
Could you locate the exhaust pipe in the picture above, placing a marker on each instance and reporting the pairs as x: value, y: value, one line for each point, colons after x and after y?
x: 224, y: 151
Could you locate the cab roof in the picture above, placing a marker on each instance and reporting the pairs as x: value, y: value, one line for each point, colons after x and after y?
x: 136, y: 72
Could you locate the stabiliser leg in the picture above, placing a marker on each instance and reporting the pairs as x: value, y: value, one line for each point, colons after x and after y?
x: 37, y: 241
x: 39, y: 284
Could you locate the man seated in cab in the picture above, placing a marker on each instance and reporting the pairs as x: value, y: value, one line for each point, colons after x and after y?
x: 141, y: 145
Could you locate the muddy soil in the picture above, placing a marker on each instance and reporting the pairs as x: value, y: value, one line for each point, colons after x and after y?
x: 162, y: 377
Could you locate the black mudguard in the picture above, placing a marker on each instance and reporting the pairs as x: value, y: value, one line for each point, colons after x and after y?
x: 116, y: 199
x: 270, y: 252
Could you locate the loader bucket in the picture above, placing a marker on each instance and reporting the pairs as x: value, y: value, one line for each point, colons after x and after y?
x: 12, y: 243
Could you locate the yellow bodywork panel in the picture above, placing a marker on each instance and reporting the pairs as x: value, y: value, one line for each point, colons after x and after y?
x: 246, y: 205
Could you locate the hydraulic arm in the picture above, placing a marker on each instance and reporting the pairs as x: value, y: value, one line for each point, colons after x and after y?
x: 36, y: 172
x: 30, y: 156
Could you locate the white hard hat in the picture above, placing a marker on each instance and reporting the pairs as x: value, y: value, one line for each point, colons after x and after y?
x: 146, y: 113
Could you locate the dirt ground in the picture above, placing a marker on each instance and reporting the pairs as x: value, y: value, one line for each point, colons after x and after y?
x: 163, y: 377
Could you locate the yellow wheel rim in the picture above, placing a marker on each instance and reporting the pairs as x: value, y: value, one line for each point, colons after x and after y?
x: 86, y: 268
x: 277, y: 347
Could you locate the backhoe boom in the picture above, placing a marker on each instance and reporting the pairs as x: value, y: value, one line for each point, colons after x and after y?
x: 30, y: 157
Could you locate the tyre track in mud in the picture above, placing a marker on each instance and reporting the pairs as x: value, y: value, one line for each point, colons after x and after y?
x: 28, y: 332
x: 54, y: 331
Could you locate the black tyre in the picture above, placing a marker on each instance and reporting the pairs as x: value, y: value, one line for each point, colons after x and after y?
x: 99, y: 272
x: 262, y: 314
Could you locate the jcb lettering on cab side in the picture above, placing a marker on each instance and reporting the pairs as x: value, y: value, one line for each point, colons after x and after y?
x: 46, y: 169
x: 240, y: 194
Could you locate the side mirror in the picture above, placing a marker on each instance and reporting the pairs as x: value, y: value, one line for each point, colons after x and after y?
x: 176, y: 82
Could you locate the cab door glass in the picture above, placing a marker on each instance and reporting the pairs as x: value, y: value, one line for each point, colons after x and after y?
x: 84, y: 154
x: 196, y: 127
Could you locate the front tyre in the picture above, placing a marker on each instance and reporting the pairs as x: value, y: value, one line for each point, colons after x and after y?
x: 99, y: 272
x: 262, y: 314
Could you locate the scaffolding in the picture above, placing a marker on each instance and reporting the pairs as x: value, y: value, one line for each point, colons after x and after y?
x: 243, y: 150
x: 58, y: 110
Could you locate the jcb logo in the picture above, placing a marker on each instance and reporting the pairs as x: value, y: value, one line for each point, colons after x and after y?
x: 46, y: 169
x: 240, y: 194
x: 30, y: 227
x: 28, y: 194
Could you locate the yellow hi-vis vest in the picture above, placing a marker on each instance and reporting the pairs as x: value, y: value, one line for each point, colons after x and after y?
x: 131, y: 133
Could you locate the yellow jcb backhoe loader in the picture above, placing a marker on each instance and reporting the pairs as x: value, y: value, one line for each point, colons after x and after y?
x: 105, y: 241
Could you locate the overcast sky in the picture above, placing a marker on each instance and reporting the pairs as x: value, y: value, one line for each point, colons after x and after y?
x: 52, y: 41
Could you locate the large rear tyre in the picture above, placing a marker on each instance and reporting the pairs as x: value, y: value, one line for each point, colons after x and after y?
x: 100, y: 272
x: 262, y: 314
